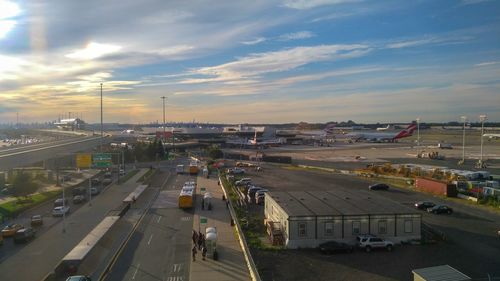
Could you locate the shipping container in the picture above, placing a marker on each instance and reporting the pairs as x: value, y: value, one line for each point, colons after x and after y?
x: 436, y: 187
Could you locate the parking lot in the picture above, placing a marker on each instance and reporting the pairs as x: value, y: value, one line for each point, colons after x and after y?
x: 471, y: 245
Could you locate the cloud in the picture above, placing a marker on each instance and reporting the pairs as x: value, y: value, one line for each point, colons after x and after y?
x: 487, y: 63
x: 309, y: 4
x: 277, y: 61
x: 428, y: 41
x: 94, y: 50
x: 255, y: 41
x: 472, y: 2
x: 333, y: 16
x: 8, y: 10
x: 296, y: 35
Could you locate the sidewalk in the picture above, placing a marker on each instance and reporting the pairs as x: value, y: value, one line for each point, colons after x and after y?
x: 231, y: 264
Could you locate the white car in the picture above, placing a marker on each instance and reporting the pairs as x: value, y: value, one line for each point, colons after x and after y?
x: 369, y: 243
x: 60, y: 211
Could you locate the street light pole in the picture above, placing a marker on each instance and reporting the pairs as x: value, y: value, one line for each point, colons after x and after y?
x: 163, y: 137
x: 101, y: 120
x: 464, y: 118
x: 418, y: 131
x: 482, y: 118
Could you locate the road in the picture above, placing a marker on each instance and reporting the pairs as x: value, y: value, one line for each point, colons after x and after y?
x: 159, y: 249
x: 35, y: 259
x: 15, y: 157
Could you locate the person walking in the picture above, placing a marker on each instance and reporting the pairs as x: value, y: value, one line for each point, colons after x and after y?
x: 195, y: 237
x: 194, y: 252
x: 203, y: 252
x: 200, y: 241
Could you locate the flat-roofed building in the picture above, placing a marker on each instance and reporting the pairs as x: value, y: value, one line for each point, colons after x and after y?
x: 309, y: 218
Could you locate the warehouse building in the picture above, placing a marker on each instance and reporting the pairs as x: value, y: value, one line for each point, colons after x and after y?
x: 308, y: 218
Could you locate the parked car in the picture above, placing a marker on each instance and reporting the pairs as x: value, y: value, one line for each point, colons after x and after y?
x: 121, y: 172
x: 440, y: 209
x: 36, y: 220
x: 378, y: 186
x: 11, y: 229
x: 243, y: 181
x: 107, y: 181
x: 424, y: 205
x: 79, y: 278
x: 60, y: 202
x: 94, y: 191
x: 251, y: 192
x: 78, y: 199
x: 95, y: 181
x: 261, y: 199
x: 260, y: 193
x: 24, y: 235
x: 236, y: 171
x: 60, y: 211
x: 331, y: 247
x: 369, y: 243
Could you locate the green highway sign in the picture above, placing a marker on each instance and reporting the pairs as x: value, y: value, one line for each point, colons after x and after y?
x: 203, y: 189
x: 102, y: 160
x: 203, y: 220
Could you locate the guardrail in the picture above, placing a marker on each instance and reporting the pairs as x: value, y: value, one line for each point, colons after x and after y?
x: 254, y: 274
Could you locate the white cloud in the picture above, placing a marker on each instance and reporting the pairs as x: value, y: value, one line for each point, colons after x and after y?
x: 486, y: 63
x: 472, y: 2
x: 268, y: 62
x: 94, y: 50
x: 333, y: 16
x: 8, y: 9
x: 429, y: 40
x: 174, y: 50
x: 308, y: 4
x: 255, y: 41
x: 296, y: 35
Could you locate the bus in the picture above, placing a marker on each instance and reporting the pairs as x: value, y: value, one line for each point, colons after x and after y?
x: 186, y: 197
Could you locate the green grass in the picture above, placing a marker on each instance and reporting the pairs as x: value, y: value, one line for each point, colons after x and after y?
x: 12, y: 208
x: 128, y: 176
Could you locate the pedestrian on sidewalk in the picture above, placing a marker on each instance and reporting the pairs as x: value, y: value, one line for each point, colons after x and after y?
x: 203, y: 252
x: 194, y: 252
x: 203, y: 203
x: 195, y: 237
x: 227, y: 204
x: 200, y: 241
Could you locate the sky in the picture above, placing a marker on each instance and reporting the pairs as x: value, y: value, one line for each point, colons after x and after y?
x: 263, y: 61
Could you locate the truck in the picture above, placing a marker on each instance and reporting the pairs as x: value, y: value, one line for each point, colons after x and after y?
x: 443, y: 145
x: 193, y: 169
x: 179, y: 169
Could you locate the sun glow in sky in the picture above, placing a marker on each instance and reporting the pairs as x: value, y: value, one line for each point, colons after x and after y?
x: 264, y: 61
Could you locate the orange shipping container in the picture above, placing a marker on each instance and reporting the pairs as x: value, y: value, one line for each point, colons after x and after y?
x: 436, y: 187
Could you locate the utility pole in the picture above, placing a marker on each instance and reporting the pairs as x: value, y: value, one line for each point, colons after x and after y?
x: 418, y: 131
x: 464, y: 118
x: 163, y: 137
x: 482, y: 118
x: 101, y: 120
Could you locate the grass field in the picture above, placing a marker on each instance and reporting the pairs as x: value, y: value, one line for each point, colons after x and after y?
x: 14, y: 207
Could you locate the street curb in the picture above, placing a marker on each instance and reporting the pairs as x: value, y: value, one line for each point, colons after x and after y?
x: 254, y: 274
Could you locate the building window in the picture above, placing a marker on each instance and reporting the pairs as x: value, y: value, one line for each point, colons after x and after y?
x: 302, y: 229
x: 356, y: 227
x: 408, y: 226
x: 328, y: 228
x: 382, y: 227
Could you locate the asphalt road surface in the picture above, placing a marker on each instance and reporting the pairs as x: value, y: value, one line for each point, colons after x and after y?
x: 160, y: 247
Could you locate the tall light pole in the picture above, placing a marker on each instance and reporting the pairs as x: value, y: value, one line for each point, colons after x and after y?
x: 163, y: 137
x: 464, y: 118
x: 101, y: 119
x: 418, y: 131
x: 482, y: 118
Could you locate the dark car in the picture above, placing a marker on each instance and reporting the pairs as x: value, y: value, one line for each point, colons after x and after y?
x: 79, y: 278
x: 36, y: 220
x: 378, y: 186
x: 24, y: 235
x: 78, y: 199
x: 440, y: 209
x: 60, y: 202
x: 424, y: 205
x: 331, y: 247
x: 95, y: 181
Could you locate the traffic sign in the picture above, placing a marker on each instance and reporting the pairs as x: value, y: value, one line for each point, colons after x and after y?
x: 83, y: 160
x: 203, y: 189
x: 102, y: 160
x: 203, y: 220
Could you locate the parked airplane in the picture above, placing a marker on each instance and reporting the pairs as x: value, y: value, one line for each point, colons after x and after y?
x: 384, y: 128
x: 255, y: 142
x: 382, y: 137
x: 492, y: 136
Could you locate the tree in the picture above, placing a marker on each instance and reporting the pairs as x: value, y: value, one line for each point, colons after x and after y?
x: 215, y: 153
x: 23, y: 185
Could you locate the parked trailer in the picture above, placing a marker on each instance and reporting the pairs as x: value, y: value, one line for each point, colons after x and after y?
x: 436, y: 187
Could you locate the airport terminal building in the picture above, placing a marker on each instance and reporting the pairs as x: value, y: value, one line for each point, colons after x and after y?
x: 309, y: 218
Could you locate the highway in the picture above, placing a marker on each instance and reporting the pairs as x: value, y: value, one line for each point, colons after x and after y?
x: 160, y: 247
x: 19, y: 156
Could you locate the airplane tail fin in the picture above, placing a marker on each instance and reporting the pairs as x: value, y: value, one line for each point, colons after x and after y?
x: 407, y: 132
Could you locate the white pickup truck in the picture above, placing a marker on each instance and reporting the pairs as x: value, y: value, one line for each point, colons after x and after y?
x: 369, y: 243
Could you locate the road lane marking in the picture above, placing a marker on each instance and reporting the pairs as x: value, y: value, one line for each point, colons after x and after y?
x: 175, y: 278
x: 177, y: 267
x: 185, y: 218
x: 149, y: 241
x: 136, y: 269
x: 159, y: 218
